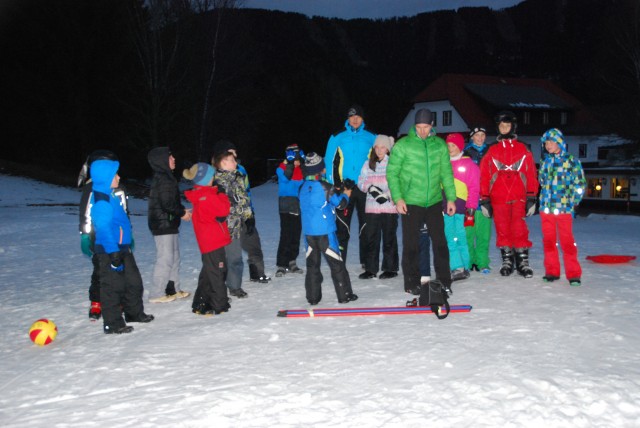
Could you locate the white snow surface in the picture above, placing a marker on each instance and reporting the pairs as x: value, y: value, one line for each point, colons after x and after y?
x: 529, y: 354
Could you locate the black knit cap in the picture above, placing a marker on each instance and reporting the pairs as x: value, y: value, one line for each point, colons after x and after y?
x: 424, y: 116
x: 223, y: 146
x: 355, y: 110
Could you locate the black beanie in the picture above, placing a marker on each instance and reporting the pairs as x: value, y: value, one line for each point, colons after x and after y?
x: 355, y: 110
x: 424, y: 116
x: 223, y: 146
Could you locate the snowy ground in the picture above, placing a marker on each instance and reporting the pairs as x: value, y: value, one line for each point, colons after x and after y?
x: 529, y: 354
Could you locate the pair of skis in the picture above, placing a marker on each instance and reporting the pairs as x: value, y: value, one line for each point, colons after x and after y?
x: 350, y: 312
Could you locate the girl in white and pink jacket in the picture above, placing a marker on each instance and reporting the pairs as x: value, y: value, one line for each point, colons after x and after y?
x: 380, y: 212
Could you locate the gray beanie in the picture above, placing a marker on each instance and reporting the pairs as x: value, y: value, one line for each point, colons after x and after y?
x: 385, y: 141
x: 424, y: 116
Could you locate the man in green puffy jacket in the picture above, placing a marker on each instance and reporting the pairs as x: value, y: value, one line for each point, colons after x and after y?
x: 418, y: 172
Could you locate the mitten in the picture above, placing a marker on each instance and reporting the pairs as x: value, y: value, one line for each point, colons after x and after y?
x: 86, y: 244
x: 531, y: 206
x: 485, y: 206
x: 302, y: 155
x: 290, y: 155
x: 469, y: 217
x: 250, y: 223
x: 377, y: 194
x: 116, y: 262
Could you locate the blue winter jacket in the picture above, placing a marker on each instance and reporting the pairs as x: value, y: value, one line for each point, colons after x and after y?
x: 109, y: 217
x: 288, y: 186
x: 346, y: 152
x: 318, y: 205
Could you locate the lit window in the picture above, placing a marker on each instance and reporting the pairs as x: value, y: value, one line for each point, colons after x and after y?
x: 594, y: 188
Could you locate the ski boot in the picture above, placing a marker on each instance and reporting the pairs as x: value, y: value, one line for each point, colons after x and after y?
x: 95, y: 312
x: 507, y: 261
x: 522, y: 262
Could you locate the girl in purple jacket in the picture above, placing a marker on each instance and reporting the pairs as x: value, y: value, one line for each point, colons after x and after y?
x: 380, y: 212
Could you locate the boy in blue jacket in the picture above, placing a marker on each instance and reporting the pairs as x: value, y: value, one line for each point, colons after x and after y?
x: 318, y: 204
x: 120, y: 281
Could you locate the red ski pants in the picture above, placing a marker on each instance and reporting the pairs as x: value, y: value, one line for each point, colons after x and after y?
x: 554, y: 227
x: 511, y: 229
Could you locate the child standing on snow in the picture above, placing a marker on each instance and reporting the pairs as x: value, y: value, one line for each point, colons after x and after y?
x: 466, y: 175
x: 479, y: 230
x: 508, y: 189
x: 318, y: 204
x: 380, y: 212
x: 120, y: 281
x: 230, y: 181
x: 290, y: 178
x: 562, y: 185
x: 210, y: 210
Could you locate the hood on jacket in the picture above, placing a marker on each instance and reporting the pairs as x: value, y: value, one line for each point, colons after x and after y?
x: 159, y: 159
x: 556, y: 135
x: 102, y: 173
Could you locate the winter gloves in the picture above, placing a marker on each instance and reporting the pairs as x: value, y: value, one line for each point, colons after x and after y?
x: 291, y: 155
x: 485, y: 206
x: 377, y: 194
x: 116, y: 262
x: 531, y: 206
x: 86, y: 244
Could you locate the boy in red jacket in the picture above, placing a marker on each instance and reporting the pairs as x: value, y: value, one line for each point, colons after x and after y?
x: 508, y: 189
x: 210, y: 210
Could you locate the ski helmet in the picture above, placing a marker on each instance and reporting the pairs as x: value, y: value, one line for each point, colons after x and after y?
x: 99, y: 154
x: 506, y: 117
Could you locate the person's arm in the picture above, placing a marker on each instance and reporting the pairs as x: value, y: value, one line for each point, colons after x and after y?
x: 332, y: 147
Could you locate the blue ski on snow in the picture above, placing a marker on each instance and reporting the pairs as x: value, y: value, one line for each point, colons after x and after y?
x: 349, y: 312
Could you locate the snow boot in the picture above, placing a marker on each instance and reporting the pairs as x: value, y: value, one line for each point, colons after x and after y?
x: 575, y: 282
x: 507, y: 261
x: 170, y: 289
x: 282, y: 271
x: 95, y: 312
x: 550, y: 278
x: 522, y: 262
x: 293, y: 267
x: 256, y: 276
x: 460, y: 274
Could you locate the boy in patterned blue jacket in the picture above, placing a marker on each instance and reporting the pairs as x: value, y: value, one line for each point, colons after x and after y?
x: 318, y: 204
x: 562, y: 185
x: 120, y: 281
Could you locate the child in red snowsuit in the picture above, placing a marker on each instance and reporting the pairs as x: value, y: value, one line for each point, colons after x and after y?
x: 508, y: 189
x: 210, y: 211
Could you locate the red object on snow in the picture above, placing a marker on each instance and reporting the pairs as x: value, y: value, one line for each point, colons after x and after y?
x: 610, y: 258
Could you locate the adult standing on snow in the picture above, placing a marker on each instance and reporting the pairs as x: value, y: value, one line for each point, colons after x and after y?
x: 346, y: 152
x: 419, y: 170
x: 508, y: 189
x: 165, y: 213
x: 562, y: 185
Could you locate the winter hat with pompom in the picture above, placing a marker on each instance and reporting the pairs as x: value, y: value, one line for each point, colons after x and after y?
x: 200, y: 173
x: 313, y: 164
x: 456, y: 139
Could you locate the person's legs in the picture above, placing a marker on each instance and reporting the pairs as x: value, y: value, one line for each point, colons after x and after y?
x: 572, y: 267
x: 343, y: 224
x: 163, y: 267
x: 313, y: 278
x: 411, y: 223
x: 373, y: 233
x: 389, y: 242
x: 235, y: 265
x: 435, y: 222
x: 549, y: 245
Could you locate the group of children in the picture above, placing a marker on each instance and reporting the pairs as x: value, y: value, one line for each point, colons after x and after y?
x: 497, y: 181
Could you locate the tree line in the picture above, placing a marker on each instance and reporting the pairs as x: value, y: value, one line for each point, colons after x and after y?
x: 131, y: 75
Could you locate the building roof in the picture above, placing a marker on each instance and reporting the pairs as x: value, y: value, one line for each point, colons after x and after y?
x: 477, y: 98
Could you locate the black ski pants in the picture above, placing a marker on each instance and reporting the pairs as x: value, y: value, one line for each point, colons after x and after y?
x: 211, y: 292
x: 412, y: 222
x: 289, y: 245
x: 325, y: 245
x: 343, y: 223
x: 382, y: 226
x: 120, y: 291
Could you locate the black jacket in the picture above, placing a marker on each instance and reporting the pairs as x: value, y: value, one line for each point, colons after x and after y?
x: 165, y: 208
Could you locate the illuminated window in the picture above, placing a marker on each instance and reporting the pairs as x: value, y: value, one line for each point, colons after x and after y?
x: 594, y: 188
x: 619, y: 188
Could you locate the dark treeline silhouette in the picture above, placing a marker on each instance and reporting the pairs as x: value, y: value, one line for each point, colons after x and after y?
x: 78, y: 75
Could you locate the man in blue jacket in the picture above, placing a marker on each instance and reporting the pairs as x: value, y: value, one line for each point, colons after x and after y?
x: 346, y: 152
x: 120, y: 281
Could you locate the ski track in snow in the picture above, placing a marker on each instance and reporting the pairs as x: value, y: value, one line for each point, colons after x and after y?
x: 529, y: 354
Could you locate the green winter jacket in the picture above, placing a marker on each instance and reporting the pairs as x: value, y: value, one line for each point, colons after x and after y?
x: 419, y: 170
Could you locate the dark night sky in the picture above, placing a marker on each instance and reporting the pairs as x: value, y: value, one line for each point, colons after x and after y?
x: 349, y: 9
